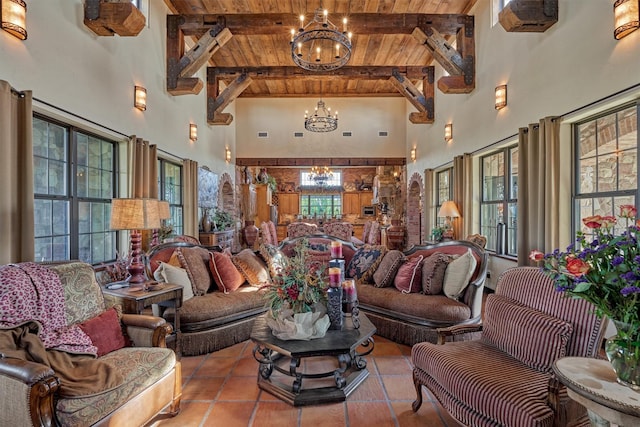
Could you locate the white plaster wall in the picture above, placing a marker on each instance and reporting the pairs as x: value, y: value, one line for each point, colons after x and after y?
x: 67, y: 65
x: 363, y: 117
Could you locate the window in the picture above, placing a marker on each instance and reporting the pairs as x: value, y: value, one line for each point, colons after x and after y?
x: 74, y: 182
x: 321, y: 204
x: 606, y: 162
x: 170, y: 189
x: 333, y: 180
x: 444, y: 180
x: 498, y: 206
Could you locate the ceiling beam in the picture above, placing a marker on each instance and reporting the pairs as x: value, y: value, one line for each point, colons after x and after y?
x: 346, y: 72
x: 424, y: 102
x: 217, y: 102
x: 309, y: 161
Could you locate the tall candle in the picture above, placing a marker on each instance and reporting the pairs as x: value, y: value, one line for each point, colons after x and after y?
x: 334, y: 277
x: 349, y: 288
x: 336, y: 249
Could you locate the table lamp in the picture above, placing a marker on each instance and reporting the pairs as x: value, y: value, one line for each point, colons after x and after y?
x: 163, y: 213
x: 135, y: 215
x: 448, y: 210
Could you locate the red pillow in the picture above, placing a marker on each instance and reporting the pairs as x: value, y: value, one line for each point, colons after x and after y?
x: 105, y: 332
x: 224, y: 272
x: 409, y: 276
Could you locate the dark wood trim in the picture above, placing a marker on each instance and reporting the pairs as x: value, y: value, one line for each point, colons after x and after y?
x: 371, y: 161
x: 346, y: 72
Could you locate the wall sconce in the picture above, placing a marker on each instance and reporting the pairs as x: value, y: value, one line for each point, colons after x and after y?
x: 13, y: 18
x: 501, y: 97
x: 413, y: 154
x: 448, y: 132
x: 626, y: 15
x: 227, y: 154
x: 140, y: 98
x: 193, y: 132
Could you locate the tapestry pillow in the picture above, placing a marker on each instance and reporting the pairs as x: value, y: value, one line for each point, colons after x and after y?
x: 531, y: 336
x: 224, y: 272
x: 457, y: 275
x: 276, y: 260
x: 365, y: 262
x: 178, y: 276
x: 252, y: 267
x: 196, y: 261
x: 105, y: 332
x: 409, y: 277
x: 386, y: 271
x: 433, y: 271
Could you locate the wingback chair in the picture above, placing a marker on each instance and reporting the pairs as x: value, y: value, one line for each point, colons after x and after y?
x: 505, y: 378
x: 341, y: 230
x: 299, y: 229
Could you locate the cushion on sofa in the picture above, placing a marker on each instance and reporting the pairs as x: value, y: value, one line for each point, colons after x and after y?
x: 365, y: 262
x: 433, y: 271
x: 225, y: 274
x: 196, y: 261
x: 252, y: 267
x: 386, y: 271
x: 458, y: 274
x: 408, y: 280
x: 274, y: 257
x: 530, y: 336
x: 178, y: 276
x: 105, y: 332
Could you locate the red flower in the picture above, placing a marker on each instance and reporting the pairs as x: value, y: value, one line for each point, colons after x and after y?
x: 577, y: 267
x: 536, y: 255
x: 608, y: 221
x: 594, y: 221
x: 628, y: 211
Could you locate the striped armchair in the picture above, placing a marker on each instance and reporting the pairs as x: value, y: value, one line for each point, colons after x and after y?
x: 505, y: 378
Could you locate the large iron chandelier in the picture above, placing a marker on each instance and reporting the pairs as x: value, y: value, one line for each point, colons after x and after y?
x: 320, y: 175
x: 319, y: 45
x: 321, y: 120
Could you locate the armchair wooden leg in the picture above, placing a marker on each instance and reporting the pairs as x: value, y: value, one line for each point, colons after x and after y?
x: 418, y: 402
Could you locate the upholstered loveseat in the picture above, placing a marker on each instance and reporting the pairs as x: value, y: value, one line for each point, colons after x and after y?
x: 53, y: 321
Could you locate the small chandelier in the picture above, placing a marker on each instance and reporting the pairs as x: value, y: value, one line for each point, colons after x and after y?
x: 321, y: 120
x: 319, y: 45
x: 320, y: 175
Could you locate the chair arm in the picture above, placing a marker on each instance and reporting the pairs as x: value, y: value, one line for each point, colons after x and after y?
x: 34, y: 381
x: 454, y: 330
x: 147, y: 331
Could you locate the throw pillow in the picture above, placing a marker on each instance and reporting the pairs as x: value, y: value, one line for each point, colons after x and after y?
x: 458, y: 274
x: 535, y: 338
x: 178, y: 276
x: 386, y: 271
x: 224, y: 272
x: 196, y: 261
x: 174, y: 260
x: 252, y: 267
x: 276, y: 260
x: 365, y: 262
x: 105, y: 332
x: 409, y: 277
x: 433, y: 271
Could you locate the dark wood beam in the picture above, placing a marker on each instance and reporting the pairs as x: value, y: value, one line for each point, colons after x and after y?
x: 344, y: 162
x: 346, y: 72
x: 217, y: 102
x: 532, y: 16
x: 424, y: 102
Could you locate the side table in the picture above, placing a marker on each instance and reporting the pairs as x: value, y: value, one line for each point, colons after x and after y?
x: 134, y: 300
x: 593, y: 384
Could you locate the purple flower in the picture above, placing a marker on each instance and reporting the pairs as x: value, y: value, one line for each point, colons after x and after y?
x: 617, y: 260
x: 630, y: 290
x: 636, y: 259
x: 629, y: 277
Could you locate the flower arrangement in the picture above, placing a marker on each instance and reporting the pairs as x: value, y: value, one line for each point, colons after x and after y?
x: 300, y: 285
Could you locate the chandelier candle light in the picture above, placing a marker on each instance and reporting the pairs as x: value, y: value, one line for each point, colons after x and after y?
x: 320, y: 45
x: 320, y: 176
x: 322, y: 120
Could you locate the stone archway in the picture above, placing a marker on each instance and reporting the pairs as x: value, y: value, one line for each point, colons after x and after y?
x: 415, y: 224
x: 226, y: 200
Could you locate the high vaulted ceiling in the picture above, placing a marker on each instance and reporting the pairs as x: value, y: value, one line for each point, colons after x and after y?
x: 382, y: 37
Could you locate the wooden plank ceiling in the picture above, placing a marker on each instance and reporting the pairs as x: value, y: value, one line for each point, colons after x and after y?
x: 370, y: 49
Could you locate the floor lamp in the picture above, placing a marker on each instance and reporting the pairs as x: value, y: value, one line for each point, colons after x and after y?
x: 135, y: 215
x: 448, y: 210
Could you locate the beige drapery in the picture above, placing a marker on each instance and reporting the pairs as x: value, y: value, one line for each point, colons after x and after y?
x: 16, y: 175
x: 538, y: 188
x: 142, y: 168
x: 462, y: 194
x: 190, y: 214
x: 429, y: 215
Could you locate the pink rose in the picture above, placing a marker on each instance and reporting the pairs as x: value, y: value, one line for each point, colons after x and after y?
x: 628, y: 211
x: 594, y: 221
x: 536, y: 255
x: 577, y: 267
x: 608, y: 221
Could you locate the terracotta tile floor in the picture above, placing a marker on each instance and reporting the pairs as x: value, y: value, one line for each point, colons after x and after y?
x: 219, y: 389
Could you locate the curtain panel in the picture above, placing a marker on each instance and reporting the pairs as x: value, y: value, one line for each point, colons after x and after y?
x: 143, y: 168
x: 538, y: 188
x: 190, y: 214
x: 16, y: 174
x: 462, y: 195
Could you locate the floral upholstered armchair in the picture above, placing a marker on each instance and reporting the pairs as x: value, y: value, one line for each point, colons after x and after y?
x: 300, y: 229
x: 67, y: 359
x: 341, y: 230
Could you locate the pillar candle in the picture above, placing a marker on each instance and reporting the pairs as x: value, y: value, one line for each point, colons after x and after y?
x: 334, y: 277
x: 336, y: 249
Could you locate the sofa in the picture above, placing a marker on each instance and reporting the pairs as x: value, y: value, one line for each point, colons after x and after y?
x: 67, y: 359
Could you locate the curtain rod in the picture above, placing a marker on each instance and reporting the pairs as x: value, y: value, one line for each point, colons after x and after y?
x: 90, y: 121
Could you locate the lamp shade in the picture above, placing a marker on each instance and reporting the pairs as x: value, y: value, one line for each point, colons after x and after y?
x: 626, y: 16
x: 13, y: 17
x: 449, y: 209
x: 163, y: 210
x: 134, y: 214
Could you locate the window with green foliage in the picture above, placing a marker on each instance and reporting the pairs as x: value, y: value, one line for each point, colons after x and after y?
x: 444, y: 184
x: 74, y: 182
x: 321, y: 204
x: 170, y: 189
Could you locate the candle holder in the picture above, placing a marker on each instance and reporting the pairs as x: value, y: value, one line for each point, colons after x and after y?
x: 350, y: 301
